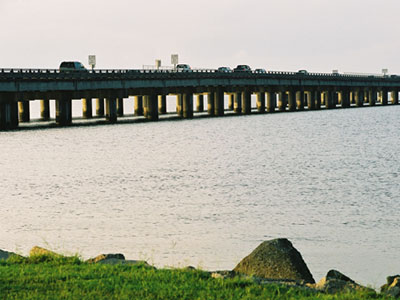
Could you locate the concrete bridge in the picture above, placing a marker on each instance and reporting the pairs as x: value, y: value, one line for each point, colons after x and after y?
x: 276, y: 91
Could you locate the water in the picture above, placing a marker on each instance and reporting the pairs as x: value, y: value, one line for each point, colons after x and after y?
x: 206, y: 192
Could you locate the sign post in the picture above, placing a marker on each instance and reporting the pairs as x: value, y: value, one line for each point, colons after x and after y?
x: 174, y: 60
x: 92, y: 61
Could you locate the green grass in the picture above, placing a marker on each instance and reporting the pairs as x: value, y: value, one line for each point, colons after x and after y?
x: 55, y: 277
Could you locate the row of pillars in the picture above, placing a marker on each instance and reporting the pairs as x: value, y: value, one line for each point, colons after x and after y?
x: 150, y: 106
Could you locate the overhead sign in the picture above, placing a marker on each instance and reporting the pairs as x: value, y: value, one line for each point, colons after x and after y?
x: 92, y: 61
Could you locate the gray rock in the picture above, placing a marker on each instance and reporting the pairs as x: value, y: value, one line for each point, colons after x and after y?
x: 103, y: 257
x: 275, y: 259
x: 4, y: 255
x: 392, y: 288
x: 335, y: 282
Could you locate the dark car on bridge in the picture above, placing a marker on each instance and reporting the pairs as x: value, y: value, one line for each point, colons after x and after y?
x: 242, y: 68
x: 72, y: 66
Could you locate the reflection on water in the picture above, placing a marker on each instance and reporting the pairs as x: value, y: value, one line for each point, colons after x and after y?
x: 206, y: 192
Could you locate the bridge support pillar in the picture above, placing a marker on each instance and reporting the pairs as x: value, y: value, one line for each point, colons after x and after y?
x: 384, y: 96
x: 271, y: 101
x: 359, y: 98
x: 100, y: 107
x: 24, y: 112
x: 330, y: 99
x: 179, y: 105
x: 237, y: 105
x: 318, y: 99
x: 219, y: 102
x: 111, y: 109
x: 292, y: 101
x: 200, y: 103
x: 394, y: 97
x: 211, y: 103
x: 372, y: 97
x: 120, y: 107
x: 261, y: 102
x: 311, y: 100
x: 162, y: 104
x: 231, y: 101
x: 187, y: 105
x: 150, y: 107
x: 300, y: 100
x: 45, y: 109
x: 246, y: 102
x: 282, y: 101
x: 87, y: 108
x: 8, y: 115
x: 345, y: 98
x: 138, y: 105
x: 63, y: 111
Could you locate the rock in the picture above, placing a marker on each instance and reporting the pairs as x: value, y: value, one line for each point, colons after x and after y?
x: 35, y: 251
x: 4, y: 255
x: 335, y: 282
x: 392, y: 288
x: 222, y: 274
x: 116, y: 261
x: 275, y: 259
x: 102, y: 257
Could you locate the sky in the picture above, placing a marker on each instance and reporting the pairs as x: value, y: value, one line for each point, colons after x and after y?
x: 361, y: 36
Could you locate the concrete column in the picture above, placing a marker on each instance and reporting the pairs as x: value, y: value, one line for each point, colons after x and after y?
x: 99, y: 107
x: 300, y: 100
x: 384, y: 96
x: 211, y: 103
x: 372, y: 97
x: 271, y: 101
x: 45, y: 109
x: 261, y: 102
x: 138, y: 105
x: 318, y: 99
x: 87, y: 108
x: 330, y: 99
x: 231, y: 101
x: 187, y: 105
x: 162, y: 104
x: 311, y: 100
x: 237, y: 105
x: 246, y: 102
x: 24, y: 112
x: 150, y: 110
x: 335, y: 98
x: 282, y: 101
x: 200, y: 103
x: 8, y: 115
x: 345, y: 98
x: 219, y: 102
x: 359, y: 98
x: 111, y: 109
x: 120, y: 107
x: 394, y: 97
x: 179, y: 105
x: 291, y: 100
x: 352, y: 98
x: 63, y: 111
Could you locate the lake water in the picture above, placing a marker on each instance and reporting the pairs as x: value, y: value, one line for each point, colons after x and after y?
x: 206, y: 192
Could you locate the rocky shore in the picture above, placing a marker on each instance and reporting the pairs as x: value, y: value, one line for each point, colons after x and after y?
x: 272, y: 262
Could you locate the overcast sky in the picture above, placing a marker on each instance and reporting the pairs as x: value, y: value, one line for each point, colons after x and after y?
x: 317, y: 35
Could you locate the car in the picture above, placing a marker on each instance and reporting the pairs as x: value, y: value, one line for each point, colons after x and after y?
x: 304, y: 72
x: 183, y: 68
x: 242, y: 68
x: 224, y: 70
x: 260, y: 71
x: 72, y: 66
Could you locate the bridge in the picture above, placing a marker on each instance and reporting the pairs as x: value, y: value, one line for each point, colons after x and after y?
x: 275, y: 91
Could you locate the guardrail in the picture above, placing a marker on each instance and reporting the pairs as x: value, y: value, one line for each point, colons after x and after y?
x: 15, y: 71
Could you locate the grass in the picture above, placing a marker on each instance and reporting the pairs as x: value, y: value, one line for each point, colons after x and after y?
x: 57, y: 277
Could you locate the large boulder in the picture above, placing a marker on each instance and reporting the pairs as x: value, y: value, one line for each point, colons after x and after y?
x: 4, y: 255
x: 37, y: 251
x: 102, y: 257
x: 275, y: 259
x: 115, y: 259
x: 392, y: 287
x: 335, y: 282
